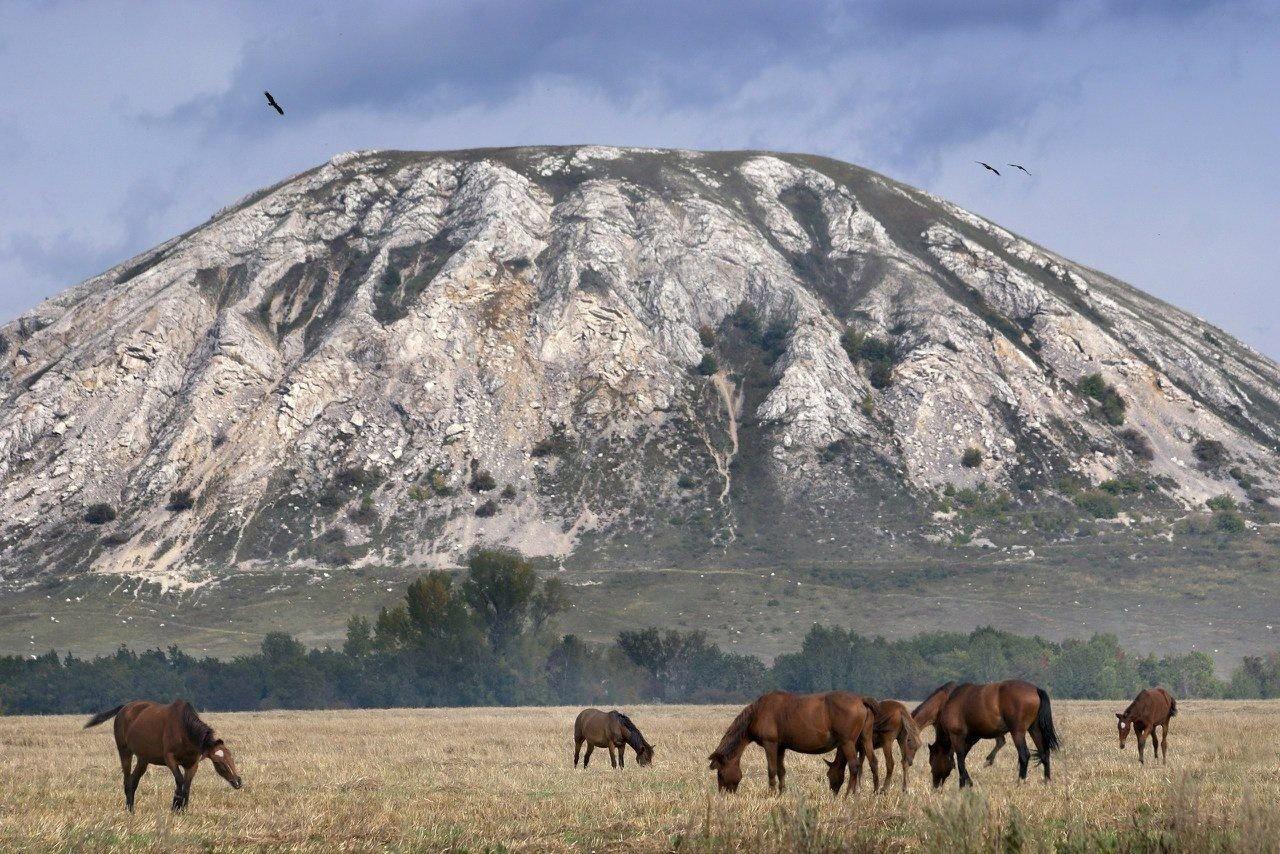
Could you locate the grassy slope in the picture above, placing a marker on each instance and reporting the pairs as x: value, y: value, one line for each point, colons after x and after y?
x: 484, y: 779
x: 1190, y: 593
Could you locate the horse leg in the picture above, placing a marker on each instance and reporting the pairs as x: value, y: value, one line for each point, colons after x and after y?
x: 853, y: 759
x: 962, y: 753
x: 1024, y: 755
x: 888, y: 762
x: 126, y: 770
x: 869, y: 748
x: 1164, y: 744
x: 613, y: 756
x: 179, y: 788
x: 186, y: 783
x: 902, y: 748
x: 991, y: 757
x: 622, y: 756
x: 1142, y: 743
x: 131, y: 785
x: 771, y: 757
x: 577, y: 751
x: 1037, y: 738
x: 782, y: 769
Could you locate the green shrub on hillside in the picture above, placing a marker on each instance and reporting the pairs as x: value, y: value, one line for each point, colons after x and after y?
x: 1098, y: 504
x: 1110, y: 403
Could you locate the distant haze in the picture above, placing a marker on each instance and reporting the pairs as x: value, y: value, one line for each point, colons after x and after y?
x: 1149, y: 127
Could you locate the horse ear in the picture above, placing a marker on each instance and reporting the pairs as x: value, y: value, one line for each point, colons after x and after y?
x: 716, y: 762
x: 1120, y: 715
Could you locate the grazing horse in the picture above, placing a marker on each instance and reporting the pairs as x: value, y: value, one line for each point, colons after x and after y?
x: 171, y: 735
x: 893, y: 724
x: 1150, y: 709
x: 974, y: 712
x: 806, y: 723
x: 927, y: 712
x: 611, y: 730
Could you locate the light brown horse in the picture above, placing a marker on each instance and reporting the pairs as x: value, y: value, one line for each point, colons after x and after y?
x: 806, y: 723
x: 974, y: 712
x: 1150, y: 709
x: 613, y: 730
x: 893, y: 724
x: 173, y: 736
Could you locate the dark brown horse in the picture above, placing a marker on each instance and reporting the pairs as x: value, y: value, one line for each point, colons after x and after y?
x: 173, y: 736
x: 1152, y: 708
x: 893, y: 724
x: 806, y: 723
x: 613, y: 730
x: 974, y: 712
x: 927, y: 712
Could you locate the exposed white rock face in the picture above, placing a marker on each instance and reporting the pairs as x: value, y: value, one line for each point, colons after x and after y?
x: 337, y: 368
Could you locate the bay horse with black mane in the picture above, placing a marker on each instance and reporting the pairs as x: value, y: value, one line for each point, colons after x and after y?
x: 806, y: 723
x: 173, y: 736
x: 612, y: 730
x: 974, y: 712
x: 1152, y: 708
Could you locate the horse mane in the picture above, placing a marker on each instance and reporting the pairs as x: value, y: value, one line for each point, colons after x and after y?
x: 197, y: 730
x: 913, y: 731
x: 947, y: 688
x: 735, y: 734
x: 634, y: 737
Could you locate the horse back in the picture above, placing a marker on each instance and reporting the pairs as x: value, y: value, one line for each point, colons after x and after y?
x: 151, y: 730
x: 1153, y: 706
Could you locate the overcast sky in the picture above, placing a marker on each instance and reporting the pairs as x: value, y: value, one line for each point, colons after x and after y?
x: 1151, y: 128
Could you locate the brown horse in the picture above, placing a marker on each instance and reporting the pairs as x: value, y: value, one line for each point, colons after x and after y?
x: 806, y: 723
x: 613, y: 730
x: 927, y: 712
x: 974, y: 712
x: 893, y: 724
x: 1150, y: 709
x: 171, y: 735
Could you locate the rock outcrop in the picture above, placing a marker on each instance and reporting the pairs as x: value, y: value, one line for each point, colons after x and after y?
x: 399, y: 355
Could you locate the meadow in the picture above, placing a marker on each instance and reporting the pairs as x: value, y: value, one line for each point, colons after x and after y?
x: 503, y: 779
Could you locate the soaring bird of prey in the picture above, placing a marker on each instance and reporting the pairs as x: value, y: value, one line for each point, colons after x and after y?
x: 987, y: 166
x: 272, y: 101
x: 1016, y: 166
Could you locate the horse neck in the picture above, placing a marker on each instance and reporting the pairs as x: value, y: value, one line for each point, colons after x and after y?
x: 200, y: 733
x: 735, y: 738
x: 927, y: 712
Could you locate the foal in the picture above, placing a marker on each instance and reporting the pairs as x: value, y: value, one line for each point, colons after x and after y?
x: 1152, y: 708
x: 612, y: 730
x: 171, y: 735
x: 893, y: 724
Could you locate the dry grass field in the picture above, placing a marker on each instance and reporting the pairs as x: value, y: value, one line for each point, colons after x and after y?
x: 503, y: 779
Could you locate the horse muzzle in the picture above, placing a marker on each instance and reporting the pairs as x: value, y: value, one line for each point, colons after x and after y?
x: 237, y: 783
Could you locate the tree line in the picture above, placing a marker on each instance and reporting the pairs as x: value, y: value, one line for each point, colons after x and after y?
x: 491, y: 640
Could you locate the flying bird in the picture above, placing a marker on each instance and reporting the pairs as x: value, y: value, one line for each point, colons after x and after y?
x: 272, y: 101
x: 1016, y: 166
x: 987, y: 166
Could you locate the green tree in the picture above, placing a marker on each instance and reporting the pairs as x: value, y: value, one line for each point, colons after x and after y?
x: 506, y: 594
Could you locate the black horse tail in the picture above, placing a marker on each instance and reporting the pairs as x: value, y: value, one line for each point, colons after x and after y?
x: 102, y: 717
x: 1044, y: 720
x: 1173, y: 707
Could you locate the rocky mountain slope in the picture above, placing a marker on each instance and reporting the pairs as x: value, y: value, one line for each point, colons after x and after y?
x: 661, y: 354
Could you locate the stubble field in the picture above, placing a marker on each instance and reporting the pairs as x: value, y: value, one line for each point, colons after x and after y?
x: 503, y: 779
